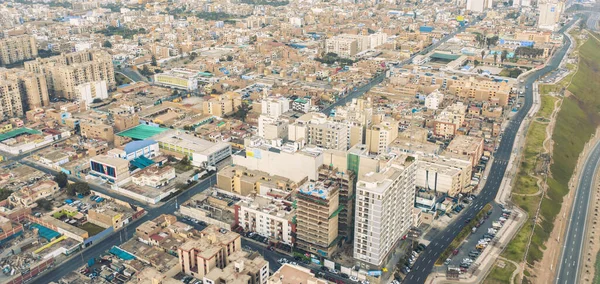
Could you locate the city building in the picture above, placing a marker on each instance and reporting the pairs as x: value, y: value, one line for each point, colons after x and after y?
x: 11, y: 104
x: 14, y: 49
x: 114, y: 170
x: 314, y: 128
x: 200, y: 152
x: 269, y: 217
x: 443, y: 176
x: 466, y: 147
x: 67, y: 71
x: 433, y: 100
x: 178, y: 78
x: 549, y: 14
x: 91, y: 92
x: 148, y: 148
x: 348, y: 45
x: 287, y: 161
x: 221, y: 105
x: 97, y: 131
x: 384, y: 210
x: 479, y: 5
x: 243, y: 268
x: 381, y: 134
x: 212, y: 250
x: 126, y: 121
x: 294, y: 274
x: 274, y: 106
x: 448, y: 121
x: 153, y: 176
x: 317, y: 215
x: 212, y: 206
x: 345, y: 181
x: 28, y: 195
x: 243, y: 181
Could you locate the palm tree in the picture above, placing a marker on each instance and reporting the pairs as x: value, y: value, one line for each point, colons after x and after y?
x: 495, y: 58
x: 482, y: 54
x: 503, y: 55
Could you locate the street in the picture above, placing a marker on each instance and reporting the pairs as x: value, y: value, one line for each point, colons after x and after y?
x: 571, y: 255
x: 444, y: 237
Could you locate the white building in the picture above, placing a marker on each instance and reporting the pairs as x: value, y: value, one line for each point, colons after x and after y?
x: 443, y: 176
x: 275, y: 106
x: 384, y: 210
x: 479, y: 5
x: 178, y: 78
x: 302, y: 105
x: 550, y: 12
x: 198, y: 150
x: 286, y: 161
x: 267, y: 217
x: 315, y: 129
x: 88, y: 92
x: 296, y: 22
x: 433, y: 100
x: 154, y: 176
x: 135, y: 149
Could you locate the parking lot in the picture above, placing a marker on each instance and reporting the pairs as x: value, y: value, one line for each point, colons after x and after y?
x: 483, y: 236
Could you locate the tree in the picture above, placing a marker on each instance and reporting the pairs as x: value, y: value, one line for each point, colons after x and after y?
x: 4, y: 193
x: 495, y: 58
x: 62, y: 179
x: 154, y: 63
x: 97, y: 100
x: 185, y: 161
x: 503, y: 56
x: 44, y: 204
x: 175, y: 93
x: 78, y: 188
x: 482, y: 54
x: 193, y: 55
x: 229, y: 58
x: 107, y: 44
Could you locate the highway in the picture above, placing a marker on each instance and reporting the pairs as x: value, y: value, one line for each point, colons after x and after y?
x: 424, y: 264
x: 568, y: 270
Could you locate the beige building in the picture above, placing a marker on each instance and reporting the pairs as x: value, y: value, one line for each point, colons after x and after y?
x: 126, y: 121
x: 317, y: 209
x: 483, y: 90
x: 97, y: 131
x: 467, y: 147
x: 17, y: 48
x: 243, y: 181
x: 446, y: 123
x: 32, y: 87
x: 380, y: 135
x: 212, y: 250
x: 67, y: 71
x: 243, y: 268
x: 30, y: 194
x: 154, y: 176
x: 443, y: 175
x: 221, y: 105
x: 294, y: 274
x: 315, y: 129
x: 10, y: 99
x: 268, y: 217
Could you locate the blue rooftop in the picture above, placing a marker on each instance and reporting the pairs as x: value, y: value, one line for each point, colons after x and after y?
x: 133, y: 146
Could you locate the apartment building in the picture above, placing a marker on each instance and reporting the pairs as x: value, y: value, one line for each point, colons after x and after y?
x: 483, y: 90
x: 243, y: 268
x: 348, y: 45
x: 549, y: 14
x: 30, y: 194
x: 178, y: 78
x: 433, y: 100
x: 380, y: 135
x: 287, y: 161
x: 288, y: 274
x: 97, y: 131
x: 315, y: 129
x: 221, y: 105
x: 345, y: 181
x: 268, y: 217
x: 466, y: 147
x: 443, y: 176
x: 243, y: 181
x: 154, y: 176
x: 126, y: 121
x: 384, y: 210
x: 212, y: 250
x: 479, y: 5
x: 275, y: 106
x: 448, y: 121
x: 200, y: 152
x: 11, y: 104
x: 91, y: 91
x: 67, y: 71
x: 19, y: 48
x: 317, y: 216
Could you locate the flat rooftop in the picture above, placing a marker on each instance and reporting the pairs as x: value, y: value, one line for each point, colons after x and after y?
x: 142, y: 132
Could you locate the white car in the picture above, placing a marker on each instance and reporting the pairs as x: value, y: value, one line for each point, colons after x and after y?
x: 353, y: 278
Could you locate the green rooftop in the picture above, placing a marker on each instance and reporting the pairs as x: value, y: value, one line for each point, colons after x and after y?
x: 16, y: 132
x: 142, y: 132
x: 444, y: 56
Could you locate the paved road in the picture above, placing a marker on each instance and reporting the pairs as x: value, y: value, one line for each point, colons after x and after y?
x: 592, y: 21
x: 116, y: 239
x: 131, y: 74
x: 568, y: 270
x: 444, y: 237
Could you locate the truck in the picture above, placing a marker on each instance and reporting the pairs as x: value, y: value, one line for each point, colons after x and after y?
x: 496, y: 225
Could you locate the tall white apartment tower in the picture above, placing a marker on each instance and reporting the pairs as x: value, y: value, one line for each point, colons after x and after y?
x: 384, y: 206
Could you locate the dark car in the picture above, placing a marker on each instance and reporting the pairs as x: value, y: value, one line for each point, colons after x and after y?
x: 344, y: 275
x: 324, y: 268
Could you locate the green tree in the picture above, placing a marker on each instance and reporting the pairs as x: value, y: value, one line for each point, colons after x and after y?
x: 154, y: 62
x: 107, y: 44
x: 193, y: 55
x: 482, y: 54
x: 62, y: 179
x: 78, y: 188
x: 503, y: 56
x: 495, y: 58
x: 185, y: 161
x: 44, y: 204
x: 4, y: 193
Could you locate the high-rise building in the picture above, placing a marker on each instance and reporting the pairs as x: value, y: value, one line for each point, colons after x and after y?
x: 21, y: 91
x: 315, y: 129
x: 384, y: 210
x: 17, y: 48
x: 65, y: 72
x: 317, y: 214
x: 347, y: 45
x: 479, y: 5
x: 345, y: 181
x: 550, y: 12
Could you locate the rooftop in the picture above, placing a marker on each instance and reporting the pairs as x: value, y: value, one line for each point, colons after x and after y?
x: 142, y: 132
